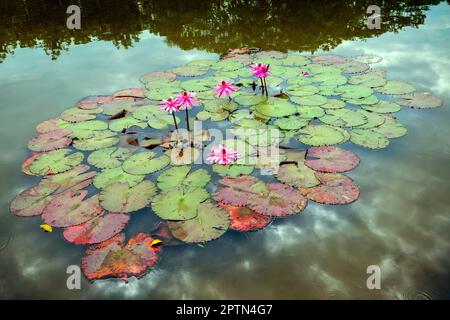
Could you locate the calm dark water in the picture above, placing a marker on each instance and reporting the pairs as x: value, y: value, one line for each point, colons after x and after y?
x: 400, y: 222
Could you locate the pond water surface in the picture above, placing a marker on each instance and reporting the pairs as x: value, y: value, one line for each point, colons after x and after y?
x: 400, y: 222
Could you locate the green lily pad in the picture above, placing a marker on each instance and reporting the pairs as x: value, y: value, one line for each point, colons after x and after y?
x: 179, y: 204
x: 220, y: 105
x: 302, y: 91
x: 297, y: 175
x: 333, y: 104
x: 210, y: 223
x: 55, y: 161
x: 190, y: 70
x: 182, y: 156
x: 151, y: 76
x: 370, y: 100
x: 116, y: 106
x: 351, y: 91
x: 369, y: 79
x: 144, y: 163
x: 391, y: 128
x: 330, y: 79
x: 101, y: 139
x: 344, y: 118
x: 249, y: 99
x: 78, y: 115
x: 108, y: 158
x: 396, y: 87
x: 310, y: 112
x: 323, y: 135
x: 119, y: 197
x: 314, y: 100
x: 233, y: 170
x: 383, y: 107
x: 86, y: 129
x: 373, y: 119
x: 122, y: 124
x: 291, y: 122
x: 369, y: 139
x: 228, y: 65
x: 113, y: 175
x: 276, y: 108
x: 182, y: 176
x: 353, y: 66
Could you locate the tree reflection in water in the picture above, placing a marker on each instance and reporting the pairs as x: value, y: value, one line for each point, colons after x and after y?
x: 212, y: 25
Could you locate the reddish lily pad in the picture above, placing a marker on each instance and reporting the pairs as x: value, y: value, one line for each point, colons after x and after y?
x: 129, y: 93
x: 32, y: 201
x: 117, y: 259
x: 69, y: 209
x: 51, y: 125
x: 331, y: 159
x: 51, y: 140
x: 74, y: 179
x: 281, y: 200
x: 335, y: 188
x: 245, y: 219
x: 92, y: 102
x: 239, y: 190
x: 98, y: 229
x: 419, y: 100
x: 328, y: 59
x: 28, y: 161
x: 148, y: 77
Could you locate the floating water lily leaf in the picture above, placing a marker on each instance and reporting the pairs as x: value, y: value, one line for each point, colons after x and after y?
x: 335, y: 188
x: 181, y: 176
x: 55, y: 161
x: 51, y: 140
x: 108, y: 158
x: 179, y: 203
x: 190, y: 70
x: 373, y: 119
x: 113, y: 175
x: 70, y: 209
x: 28, y: 161
x: 370, y: 100
x: 333, y: 104
x: 220, y: 105
x: 144, y: 163
x: 351, y: 91
x: 312, y: 112
x: 161, y: 121
x: 233, y: 170
x: 275, y: 108
x: 291, y: 122
x: 391, y: 128
x: 297, y: 175
x: 163, y: 92
x: 122, y: 124
x: 331, y: 159
x: 279, y: 201
x: 383, y: 107
x: 214, y: 116
x: 249, y: 99
x: 368, y: 58
x: 204, y: 63
x: 369, y: 139
x: 344, y: 118
x: 182, y: 156
x: 396, y: 87
x: 328, y: 59
x: 100, y: 140
x: 419, y: 100
x: 51, y: 125
x: 244, y: 219
x: 116, y: 106
x: 369, y: 79
x: 353, y: 66
x: 114, y: 258
x: 86, y: 129
x: 97, y: 230
x: 330, y: 79
x: 323, y: 135
x: 210, y: 223
x: 119, y: 197
x: 239, y: 190
x: 158, y: 75
x: 129, y: 93
x: 32, y: 201
x: 228, y: 65
x: 302, y: 91
x: 314, y: 100
x: 92, y: 102
x: 74, y: 179
x: 78, y: 115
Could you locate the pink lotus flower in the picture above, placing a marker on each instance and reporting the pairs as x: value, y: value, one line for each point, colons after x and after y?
x: 225, y: 88
x: 260, y: 70
x: 170, y: 106
x: 304, y: 74
x: 186, y: 100
x: 223, y: 155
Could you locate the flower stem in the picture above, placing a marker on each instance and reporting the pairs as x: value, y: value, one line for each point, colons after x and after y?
x: 262, y: 85
x: 175, y: 121
x: 265, y: 86
x: 187, y: 119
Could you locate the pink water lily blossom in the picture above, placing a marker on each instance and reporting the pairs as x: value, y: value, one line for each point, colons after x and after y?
x: 170, y: 105
x: 223, y: 155
x: 304, y: 74
x: 186, y: 100
x: 260, y: 70
x: 225, y: 88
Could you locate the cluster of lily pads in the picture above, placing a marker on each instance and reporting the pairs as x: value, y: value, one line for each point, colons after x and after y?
x: 110, y: 156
